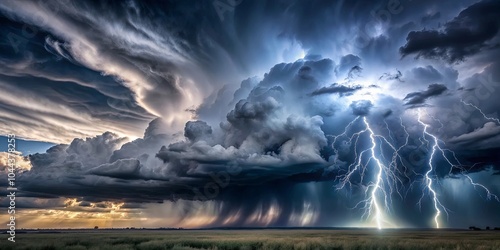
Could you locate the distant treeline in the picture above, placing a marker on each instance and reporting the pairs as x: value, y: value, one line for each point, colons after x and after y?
x: 487, y: 228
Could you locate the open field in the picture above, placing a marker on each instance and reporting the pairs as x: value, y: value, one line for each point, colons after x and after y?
x: 256, y: 239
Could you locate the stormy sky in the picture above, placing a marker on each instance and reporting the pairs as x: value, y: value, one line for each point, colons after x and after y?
x: 232, y: 113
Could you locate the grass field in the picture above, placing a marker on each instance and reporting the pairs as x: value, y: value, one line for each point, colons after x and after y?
x: 257, y: 239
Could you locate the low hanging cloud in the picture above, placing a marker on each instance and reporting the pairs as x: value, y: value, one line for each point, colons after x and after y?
x: 481, y: 138
x: 121, y: 169
x: 416, y: 99
x: 336, y: 88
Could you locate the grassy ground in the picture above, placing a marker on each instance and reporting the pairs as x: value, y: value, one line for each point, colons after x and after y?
x: 258, y: 239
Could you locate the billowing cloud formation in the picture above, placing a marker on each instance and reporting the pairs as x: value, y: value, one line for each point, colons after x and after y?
x: 237, y: 119
x: 264, y: 138
x: 197, y: 130
x: 474, y: 29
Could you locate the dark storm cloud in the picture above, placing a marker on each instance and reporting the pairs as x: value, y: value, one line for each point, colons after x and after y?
x: 336, y: 88
x: 416, y: 99
x: 472, y: 31
x: 361, y: 108
x: 387, y: 113
x: 481, y: 138
x: 396, y: 76
x: 197, y: 130
x: 427, y: 74
x: 122, y: 169
x: 431, y: 17
x: 29, y: 202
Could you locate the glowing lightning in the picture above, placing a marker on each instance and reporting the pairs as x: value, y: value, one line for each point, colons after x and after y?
x: 373, y: 199
x: 436, y: 147
x: 428, y: 179
x: 388, y: 174
x: 386, y: 179
x: 482, y: 113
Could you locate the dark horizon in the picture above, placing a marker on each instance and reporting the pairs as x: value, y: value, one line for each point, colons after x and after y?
x: 20, y: 230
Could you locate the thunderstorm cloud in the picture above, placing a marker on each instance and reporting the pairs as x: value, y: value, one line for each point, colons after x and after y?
x: 196, y: 116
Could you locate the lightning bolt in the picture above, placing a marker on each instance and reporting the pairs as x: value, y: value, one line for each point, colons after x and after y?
x: 390, y: 172
x: 387, y: 177
x: 482, y: 113
x: 429, y: 181
x: 376, y: 187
